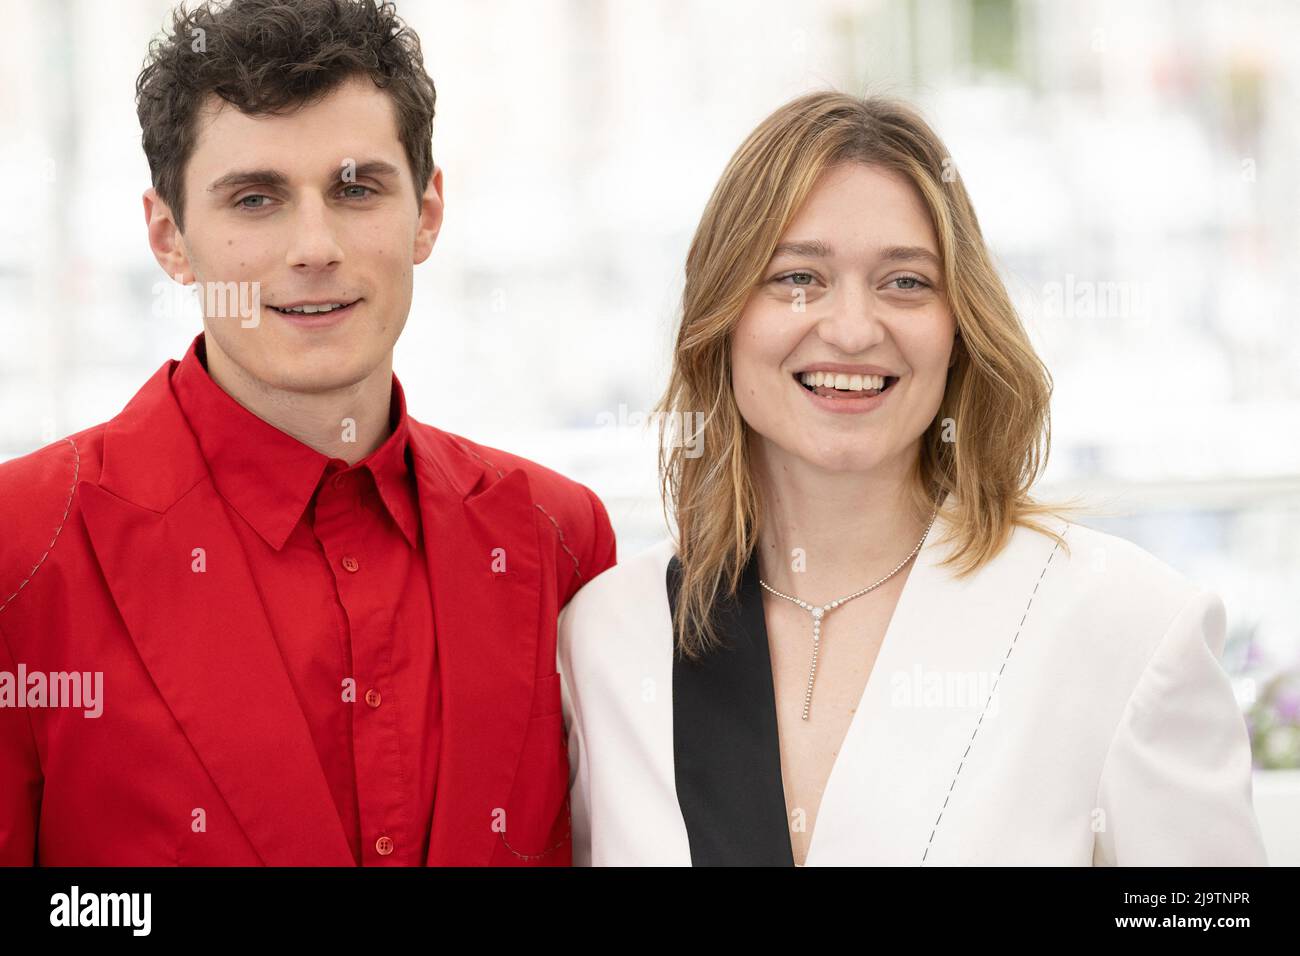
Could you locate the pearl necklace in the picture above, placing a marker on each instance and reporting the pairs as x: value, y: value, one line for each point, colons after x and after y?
x: 820, y: 612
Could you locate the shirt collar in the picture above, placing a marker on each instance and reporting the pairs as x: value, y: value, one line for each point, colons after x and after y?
x: 268, y: 476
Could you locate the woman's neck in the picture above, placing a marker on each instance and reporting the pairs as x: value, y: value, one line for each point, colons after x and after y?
x: 828, y: 534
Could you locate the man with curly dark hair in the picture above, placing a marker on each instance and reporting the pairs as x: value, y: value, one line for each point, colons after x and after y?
x: 263, y: 615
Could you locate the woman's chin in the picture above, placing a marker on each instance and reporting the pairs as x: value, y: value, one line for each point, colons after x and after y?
x: 846, y: 460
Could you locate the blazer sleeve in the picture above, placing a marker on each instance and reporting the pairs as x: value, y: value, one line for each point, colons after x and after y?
x: 21, y: 779
x: 1175, y: 787
x: 604, y: 550
x: 579, y: 782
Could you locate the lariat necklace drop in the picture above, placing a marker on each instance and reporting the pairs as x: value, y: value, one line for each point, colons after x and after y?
x: 819, y: 612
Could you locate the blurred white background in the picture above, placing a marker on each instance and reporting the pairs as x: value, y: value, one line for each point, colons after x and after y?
x: 1135, y: 166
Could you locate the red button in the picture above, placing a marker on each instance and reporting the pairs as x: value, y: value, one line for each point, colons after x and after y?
x: 340, y: 481
x: 384, y: 846
x: 350, y: 563
x: 373, y: 698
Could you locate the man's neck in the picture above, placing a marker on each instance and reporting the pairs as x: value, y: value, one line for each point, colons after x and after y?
x: 347, y: 423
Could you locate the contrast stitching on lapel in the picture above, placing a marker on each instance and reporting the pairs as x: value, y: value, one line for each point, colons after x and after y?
x: 992, y: 691
x: 577, y: 568
x: 76, y: 470
x: 537, y: 856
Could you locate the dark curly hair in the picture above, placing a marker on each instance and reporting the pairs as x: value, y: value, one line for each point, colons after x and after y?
x: 263, y: 56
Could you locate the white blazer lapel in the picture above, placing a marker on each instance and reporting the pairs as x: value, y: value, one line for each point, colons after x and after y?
x: 928, y: 705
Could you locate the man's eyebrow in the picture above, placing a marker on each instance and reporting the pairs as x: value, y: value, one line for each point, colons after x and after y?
x: 249, y: 177
x: 273, y: 177
x: 374, y: 167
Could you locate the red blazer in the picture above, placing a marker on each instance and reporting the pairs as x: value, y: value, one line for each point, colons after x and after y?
x: 97, y: 533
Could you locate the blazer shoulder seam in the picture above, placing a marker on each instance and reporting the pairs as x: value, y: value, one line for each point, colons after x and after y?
x: 67, y: 510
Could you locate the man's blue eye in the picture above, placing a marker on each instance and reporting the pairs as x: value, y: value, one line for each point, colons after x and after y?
x: 243, y: 202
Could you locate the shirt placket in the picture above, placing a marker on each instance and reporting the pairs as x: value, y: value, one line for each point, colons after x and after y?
x: 344, y: 527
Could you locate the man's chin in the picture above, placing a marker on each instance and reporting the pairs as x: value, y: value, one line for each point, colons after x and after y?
x: 314, y: 377
x: 308, y: 371
x: 297, y: 363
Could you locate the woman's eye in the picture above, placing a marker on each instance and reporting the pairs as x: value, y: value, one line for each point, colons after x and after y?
x: 799, y: 278
x: 917, y: 283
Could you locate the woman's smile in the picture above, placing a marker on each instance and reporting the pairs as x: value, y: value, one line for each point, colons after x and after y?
x: 845, y: 394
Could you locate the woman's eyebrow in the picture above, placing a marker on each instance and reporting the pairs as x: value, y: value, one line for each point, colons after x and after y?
x: 809, y: 248
x: 816, y: 249
x: 908, y: 253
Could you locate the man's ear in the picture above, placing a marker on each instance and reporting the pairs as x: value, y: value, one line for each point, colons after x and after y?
x: 165, y: 238
x: 430, y: 218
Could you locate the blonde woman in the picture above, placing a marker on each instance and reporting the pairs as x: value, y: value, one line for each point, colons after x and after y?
x: 867, y: 643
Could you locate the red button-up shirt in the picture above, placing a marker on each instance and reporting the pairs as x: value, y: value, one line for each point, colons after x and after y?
x: 337, y: 554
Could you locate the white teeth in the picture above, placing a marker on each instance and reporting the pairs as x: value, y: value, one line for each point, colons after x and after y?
x: 842, y: 382
x: 313, y: 309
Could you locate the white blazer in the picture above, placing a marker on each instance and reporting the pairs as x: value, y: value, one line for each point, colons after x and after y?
x: 1050, y: 709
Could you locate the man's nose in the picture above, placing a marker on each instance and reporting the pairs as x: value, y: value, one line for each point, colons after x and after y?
x: 315, y: 242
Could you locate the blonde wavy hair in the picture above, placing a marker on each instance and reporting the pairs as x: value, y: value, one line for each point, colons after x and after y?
x: 997, y: 392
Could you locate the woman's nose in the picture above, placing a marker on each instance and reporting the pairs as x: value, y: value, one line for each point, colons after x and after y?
x: 852, y: 323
